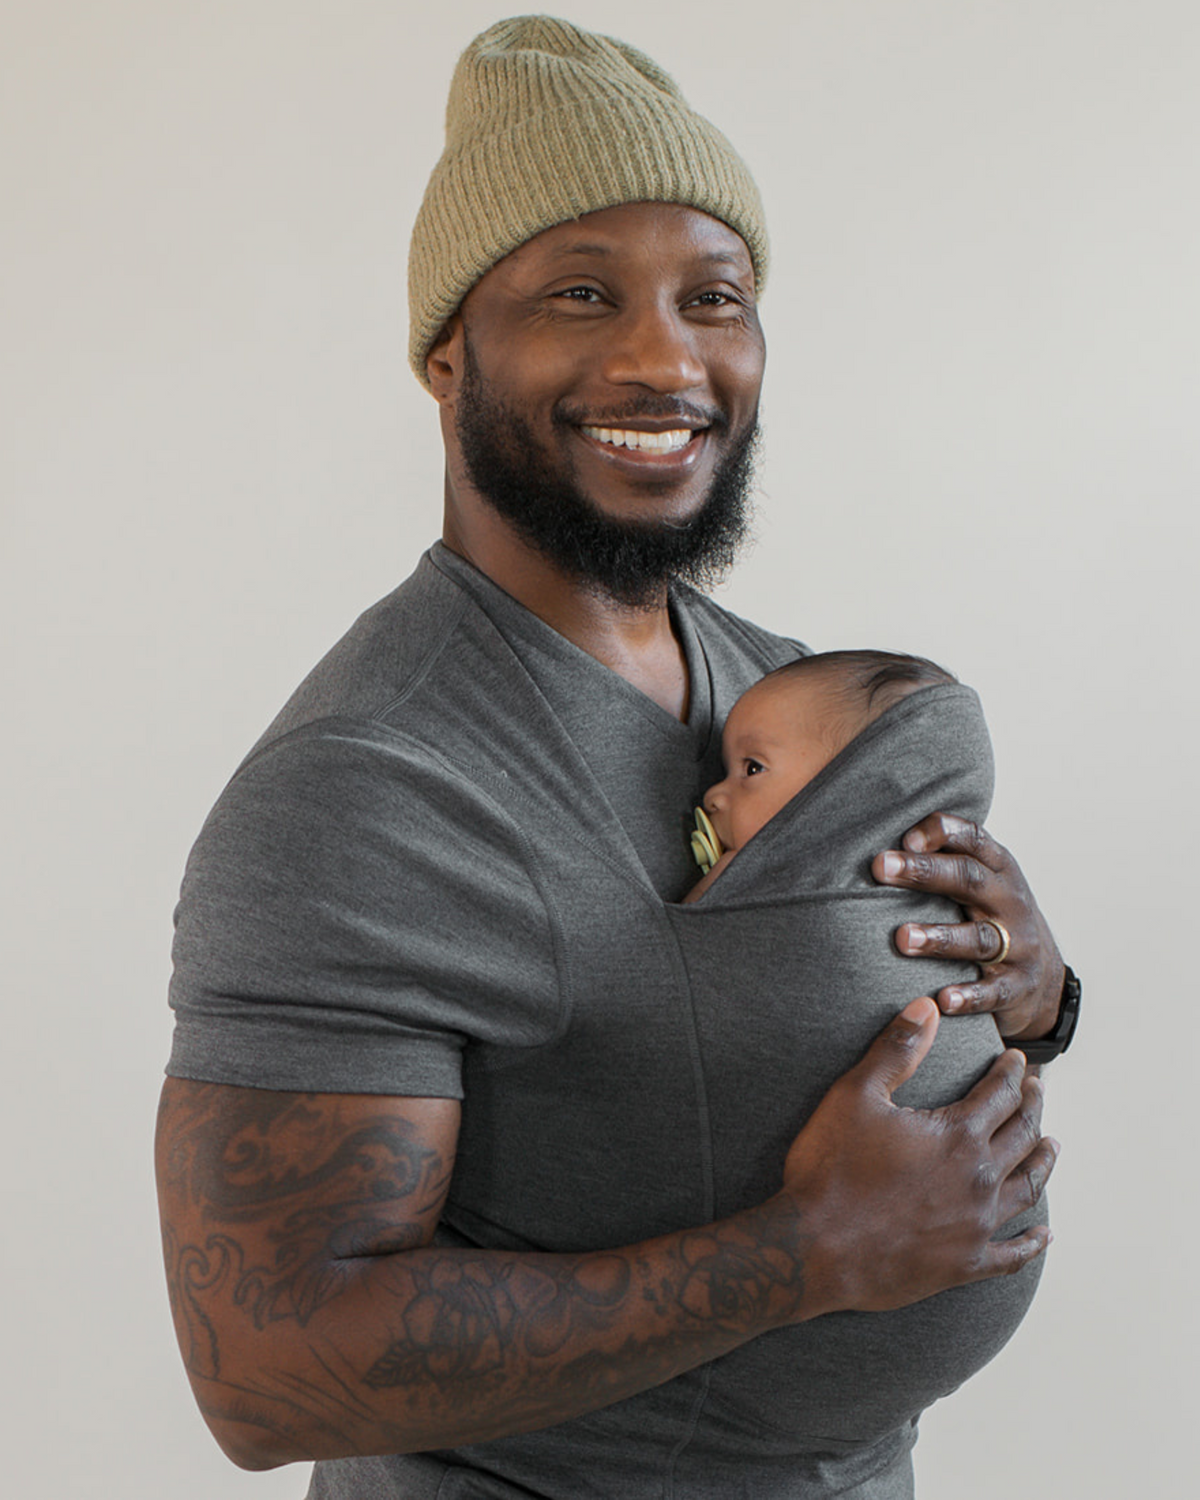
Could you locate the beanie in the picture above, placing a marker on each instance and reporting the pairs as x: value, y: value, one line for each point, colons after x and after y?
x: 546, y: 122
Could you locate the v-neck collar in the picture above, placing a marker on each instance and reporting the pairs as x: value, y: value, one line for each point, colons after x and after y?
x: 692, y: 736
x: 564, y: 777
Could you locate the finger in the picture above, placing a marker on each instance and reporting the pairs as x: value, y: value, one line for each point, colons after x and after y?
x: 959, y: 835
x: 985, y: 996
x: 1007, y: 1257
x: 975, y: 942
x: 1021, y: 1133
x: 994, y: 1100
x: 1023, y: 1186
x: 958, y: 876
x: 898, y: 1050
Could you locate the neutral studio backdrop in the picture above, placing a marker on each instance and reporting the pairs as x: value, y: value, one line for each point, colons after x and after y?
x: 981, y: 432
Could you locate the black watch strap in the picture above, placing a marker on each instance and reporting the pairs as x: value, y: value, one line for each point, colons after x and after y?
x: 1047, y: 1048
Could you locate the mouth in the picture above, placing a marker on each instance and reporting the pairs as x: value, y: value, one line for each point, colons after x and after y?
x: 668, y: 447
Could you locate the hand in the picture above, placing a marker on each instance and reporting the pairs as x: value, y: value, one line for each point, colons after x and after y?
x: 951, y: 857
x: 902, y: 1203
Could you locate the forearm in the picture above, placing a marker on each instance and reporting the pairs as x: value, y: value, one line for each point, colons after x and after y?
x: 317, y: 1319
x: 435, y: 1347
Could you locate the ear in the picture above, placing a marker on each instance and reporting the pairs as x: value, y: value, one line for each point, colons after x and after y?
x: 444, y: 362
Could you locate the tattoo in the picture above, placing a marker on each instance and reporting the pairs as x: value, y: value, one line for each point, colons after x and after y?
x: 275, y: 1204
x: 469, y: 1319
x: 288, y: 1199
x: 733, y: 1284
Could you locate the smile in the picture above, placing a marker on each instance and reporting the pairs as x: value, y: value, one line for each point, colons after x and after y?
x: 646, y: 442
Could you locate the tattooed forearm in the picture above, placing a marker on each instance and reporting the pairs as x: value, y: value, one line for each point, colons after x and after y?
x: 285, y: 1193
x: 315, y: 1314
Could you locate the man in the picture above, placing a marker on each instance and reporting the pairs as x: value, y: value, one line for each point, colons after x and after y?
x: 436, y: 1153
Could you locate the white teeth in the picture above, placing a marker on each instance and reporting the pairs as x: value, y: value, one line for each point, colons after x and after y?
x: 654, y: 442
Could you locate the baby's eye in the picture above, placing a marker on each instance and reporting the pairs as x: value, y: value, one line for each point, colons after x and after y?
x: 753, y: 767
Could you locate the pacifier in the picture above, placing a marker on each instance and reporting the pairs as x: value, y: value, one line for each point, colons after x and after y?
x: 706, y: 846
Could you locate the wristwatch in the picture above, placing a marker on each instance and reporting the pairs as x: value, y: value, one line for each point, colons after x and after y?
x: 1046, y: 1048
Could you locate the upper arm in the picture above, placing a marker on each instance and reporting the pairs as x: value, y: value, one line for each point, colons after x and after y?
x: 270, y: 1202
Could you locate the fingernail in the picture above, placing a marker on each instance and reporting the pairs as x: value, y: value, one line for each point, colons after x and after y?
x: 893, y: 864
x: 952, y: 1000
x: 915, y: 938
x: 1055, y: 1146
x: 915, y: 840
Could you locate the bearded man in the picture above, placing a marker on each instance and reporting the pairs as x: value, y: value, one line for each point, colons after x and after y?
x: 445, y: 1207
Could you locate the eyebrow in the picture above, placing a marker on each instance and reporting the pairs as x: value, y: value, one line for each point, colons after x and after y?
x: 713, y: 257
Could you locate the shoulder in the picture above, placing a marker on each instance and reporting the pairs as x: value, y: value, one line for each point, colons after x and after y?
x: 385, y: 654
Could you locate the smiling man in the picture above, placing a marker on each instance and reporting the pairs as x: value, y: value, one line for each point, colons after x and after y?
x: 444, y: 1202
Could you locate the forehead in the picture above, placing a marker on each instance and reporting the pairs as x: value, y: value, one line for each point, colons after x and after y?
x: 651, y: 235
x: 777, y: 707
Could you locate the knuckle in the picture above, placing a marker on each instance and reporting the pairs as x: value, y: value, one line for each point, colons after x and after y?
x: 987, y: 938
x: 902, y: 1037
x: 968, y: 1132
x: 972, y: 997
x: 1031, y: 1185
x: 974, y: 875
x: 1014, y: 1256
x: 999, y: 854
x: 985, y: 1180
x: 973, y: 836
x: 1030, y: 1126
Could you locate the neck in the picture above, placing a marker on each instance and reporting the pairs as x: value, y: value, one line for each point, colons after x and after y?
x: 639, y: 644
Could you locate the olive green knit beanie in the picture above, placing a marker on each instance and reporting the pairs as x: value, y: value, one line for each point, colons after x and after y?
x: 546, y: 122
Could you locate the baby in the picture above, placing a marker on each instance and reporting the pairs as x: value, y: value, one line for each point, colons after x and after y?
x: 784, y: 730
x: 792, y: 971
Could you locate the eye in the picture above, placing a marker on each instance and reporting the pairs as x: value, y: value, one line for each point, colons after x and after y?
x: 729, y: 301
x: 579, y: 294
x: 752, y: 767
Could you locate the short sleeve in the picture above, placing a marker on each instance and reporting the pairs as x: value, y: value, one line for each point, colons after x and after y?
x: 353, y: 915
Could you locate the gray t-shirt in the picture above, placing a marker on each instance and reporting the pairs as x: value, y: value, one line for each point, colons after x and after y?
x: 447, y: 869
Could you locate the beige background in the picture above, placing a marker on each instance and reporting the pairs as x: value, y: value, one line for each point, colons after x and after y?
x: 981, y: 423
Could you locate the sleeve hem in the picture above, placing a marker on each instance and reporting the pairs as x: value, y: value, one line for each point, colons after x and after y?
x: 247, y: 1055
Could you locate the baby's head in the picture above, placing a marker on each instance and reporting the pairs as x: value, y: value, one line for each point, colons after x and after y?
x: 792, y: 723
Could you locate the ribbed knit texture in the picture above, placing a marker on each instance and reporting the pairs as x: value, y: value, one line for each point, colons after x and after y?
x: 546, y: 122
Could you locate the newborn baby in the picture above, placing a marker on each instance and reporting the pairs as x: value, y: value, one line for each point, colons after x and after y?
x: 787, y: 944
x: 784, y: 730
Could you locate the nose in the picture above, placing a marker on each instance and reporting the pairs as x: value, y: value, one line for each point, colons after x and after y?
x: 715, y: 798
x: 654, y: 347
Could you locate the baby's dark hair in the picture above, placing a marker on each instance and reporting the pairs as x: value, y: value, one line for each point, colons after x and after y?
x: 866, y: 683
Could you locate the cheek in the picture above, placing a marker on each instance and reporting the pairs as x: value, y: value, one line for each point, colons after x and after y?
x: 739, y: 369
x: 747, y: 814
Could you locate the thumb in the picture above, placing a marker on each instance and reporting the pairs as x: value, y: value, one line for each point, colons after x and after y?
x: 900, y: 1048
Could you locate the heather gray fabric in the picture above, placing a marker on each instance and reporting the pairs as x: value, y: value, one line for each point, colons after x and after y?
x: 791, y: 975
x: 442, y: 871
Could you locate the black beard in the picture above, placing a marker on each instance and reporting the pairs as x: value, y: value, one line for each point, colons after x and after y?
x: 631, y: 562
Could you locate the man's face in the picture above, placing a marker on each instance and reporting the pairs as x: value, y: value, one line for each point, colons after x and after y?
x: 609, y: 395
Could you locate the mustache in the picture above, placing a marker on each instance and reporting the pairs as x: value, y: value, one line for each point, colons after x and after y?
x: 651, y: 408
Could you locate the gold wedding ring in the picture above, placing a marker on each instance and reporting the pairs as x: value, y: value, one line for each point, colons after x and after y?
x: 1005, y: 937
